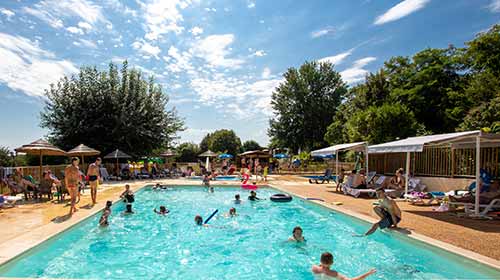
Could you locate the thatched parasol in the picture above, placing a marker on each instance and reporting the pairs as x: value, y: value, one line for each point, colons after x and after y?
x: 117, y: 154
x: 208, y: 154
x: 82, y: 150
x: 168, y: 153
x: 41, y: 147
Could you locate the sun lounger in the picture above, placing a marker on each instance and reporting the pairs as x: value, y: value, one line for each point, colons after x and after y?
x: 8, y: 201
x: 469, y: 207
x: 371, y: 192
x: 326, y: 177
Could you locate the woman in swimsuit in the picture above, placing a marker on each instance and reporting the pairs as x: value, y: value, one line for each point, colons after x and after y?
x: 72, y: 180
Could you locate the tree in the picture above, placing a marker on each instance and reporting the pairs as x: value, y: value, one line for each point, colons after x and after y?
x: 250, y: 145
x: 304, y: 105
x: 205, y: 143
x: 110, y: 110
x: 188, y: 152
x: 5, y: 157
x: 225, y: 140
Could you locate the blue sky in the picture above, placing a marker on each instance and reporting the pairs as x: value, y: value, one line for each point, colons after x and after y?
x: 219, y: 61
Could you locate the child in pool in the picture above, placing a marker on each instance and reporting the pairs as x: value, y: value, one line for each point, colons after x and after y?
x: 297, y: 235
x: 324, y: 269
x: 103, y: 221
x: 237, y: 199
x: 232, y: 213
x: 253, y: 196
x: 163, y: 210
x: 198, y: 220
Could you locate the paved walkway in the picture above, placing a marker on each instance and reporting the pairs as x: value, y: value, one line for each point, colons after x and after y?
x: 29, y: 223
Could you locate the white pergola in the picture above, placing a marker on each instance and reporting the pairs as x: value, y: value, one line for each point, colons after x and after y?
x: 467, y: 139
x: 334, y: 150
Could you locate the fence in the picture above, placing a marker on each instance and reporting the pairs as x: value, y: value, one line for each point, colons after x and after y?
x: 439, y: 162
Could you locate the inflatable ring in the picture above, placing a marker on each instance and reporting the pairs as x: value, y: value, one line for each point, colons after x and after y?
x: 280, y: 197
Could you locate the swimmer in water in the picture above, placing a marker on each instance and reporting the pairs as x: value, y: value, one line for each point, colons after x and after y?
x: 103, y: 221
x: 297, y: 235
x: 253, y: 196
x: 163, y: 210
x: 232, y: 213
x: 237, y: 199
x: 199, y: 221
x: 324, y: 269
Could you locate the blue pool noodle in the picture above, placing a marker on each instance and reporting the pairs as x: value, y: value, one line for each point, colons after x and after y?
x: 211, y: 216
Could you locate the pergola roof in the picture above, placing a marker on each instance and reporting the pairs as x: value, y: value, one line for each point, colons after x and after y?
x: 254, y: 154
x: 357, y: 146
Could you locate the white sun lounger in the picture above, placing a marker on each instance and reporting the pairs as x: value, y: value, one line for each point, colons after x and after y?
x: 469, y: 207
x: 349, y: 190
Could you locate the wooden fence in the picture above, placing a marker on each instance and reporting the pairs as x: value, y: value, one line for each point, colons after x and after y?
x: 439, y: 162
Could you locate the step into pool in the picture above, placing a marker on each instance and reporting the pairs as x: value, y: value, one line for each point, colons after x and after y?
x: 252, y: 245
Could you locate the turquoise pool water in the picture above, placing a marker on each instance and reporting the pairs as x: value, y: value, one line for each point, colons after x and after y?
x: 218, y: 178
x: 252, y: 245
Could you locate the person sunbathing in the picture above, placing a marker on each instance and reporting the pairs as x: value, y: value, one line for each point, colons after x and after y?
x: 359, y: 181
x: 324, y: 269
x: 484, y: 197
x: 397, y: 184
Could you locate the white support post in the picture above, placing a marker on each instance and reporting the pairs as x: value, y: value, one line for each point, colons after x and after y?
x: 478, y: 174
x: 366, y: 160
x: 407, y: 177
x: 337, y: 167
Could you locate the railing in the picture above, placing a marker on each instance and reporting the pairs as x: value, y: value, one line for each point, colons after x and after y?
x: 439, y: 162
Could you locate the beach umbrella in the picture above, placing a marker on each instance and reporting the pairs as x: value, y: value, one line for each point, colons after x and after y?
x: 280, y: 156
x: 168, y: 153
x: 208, y: 154
x: 225, y: 156
x: 117, y: 154
x: 41, y: 148
x: 82, y: 150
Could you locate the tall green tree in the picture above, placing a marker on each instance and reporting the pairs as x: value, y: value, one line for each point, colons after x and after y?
x: 187, y: 152
x: 110, y: 109
x: 225, y: 140
x: 250, y: 145
x: 304, y: 105
x: 205, y: 142
x: 5, y: 157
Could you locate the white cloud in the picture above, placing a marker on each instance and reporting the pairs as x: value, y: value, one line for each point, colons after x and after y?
x: 85, y: 43
x: 180, y: 61
x: 146, y: 48
x: 494, y: 6
x: 28, y: 68
x: 401, y: 10
x: 52, y: 11
x: 163, y: 17
x: 251, y: 5
x: 336, y: 59
x: 259, y: 53
x: 196, y: 30
x: 211, y: 10
x: 322, y: 32
x: 121, y: 8
x: 357, y: 73
x: 194, y: 135
x: 7, y: 13
x: 214, y: 49
x: 85, y: 25
x: 74, y: 30
x: 266, y: 73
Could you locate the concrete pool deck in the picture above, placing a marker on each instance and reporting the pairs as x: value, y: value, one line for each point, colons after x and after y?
x: 29, y: 224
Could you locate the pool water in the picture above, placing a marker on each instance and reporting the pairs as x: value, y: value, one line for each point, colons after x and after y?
x: 252, y: 245
x: 218, y: 178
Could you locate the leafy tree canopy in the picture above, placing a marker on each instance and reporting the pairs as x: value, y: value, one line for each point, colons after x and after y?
x: 225, y: 141
x: 188, y: 152
x: 250, y: 145
x: 109, y: 110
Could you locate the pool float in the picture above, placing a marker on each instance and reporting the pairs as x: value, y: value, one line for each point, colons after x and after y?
x: 211, y: 216
x: 246, y: 186
x: 281, y: 197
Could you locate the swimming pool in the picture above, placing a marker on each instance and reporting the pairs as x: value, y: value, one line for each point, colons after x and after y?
x: 250, y: 246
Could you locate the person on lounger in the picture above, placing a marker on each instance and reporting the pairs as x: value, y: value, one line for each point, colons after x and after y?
x: 397, y: 184
x: 484, y: 197
x: 359, y: 181
x: 387, y: 210
x: 324, y: 269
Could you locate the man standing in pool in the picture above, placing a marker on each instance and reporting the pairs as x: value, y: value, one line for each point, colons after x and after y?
x: 94, y: 177
x: 387, y: 210
x: 128, y: 196
x: 71, y: 180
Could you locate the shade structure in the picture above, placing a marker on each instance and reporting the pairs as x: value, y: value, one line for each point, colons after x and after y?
x: 224, y: 156
x: 117, y: 154
x: 467, y: 139
x: 256, y: 154
x: 168, y: 153
x: 82, y: 151
x: 41, y: 148
x: 208, y: 154
x: 280, y: 156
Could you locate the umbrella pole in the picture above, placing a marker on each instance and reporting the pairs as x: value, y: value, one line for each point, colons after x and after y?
x: 117, y: 168
x: 40, y: 171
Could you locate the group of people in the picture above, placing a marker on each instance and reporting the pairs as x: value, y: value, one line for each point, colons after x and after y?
x: 359, y: 181
x: 73, y: 178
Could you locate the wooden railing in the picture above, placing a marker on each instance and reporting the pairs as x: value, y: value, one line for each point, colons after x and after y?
x: 439, y: 162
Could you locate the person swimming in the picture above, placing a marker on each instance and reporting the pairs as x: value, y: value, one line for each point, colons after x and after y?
x: 253, y: 196
x: 237, y: 199
x: 324, y: 269
x: 199, y: 221
x: 103, y: 221
x: 163, y: 210
x: 297, y: 235
x: 232, y: 212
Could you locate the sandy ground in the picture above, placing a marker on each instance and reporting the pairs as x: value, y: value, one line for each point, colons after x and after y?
x: 479, y: 236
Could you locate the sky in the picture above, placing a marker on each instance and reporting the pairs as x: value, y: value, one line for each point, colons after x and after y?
x: 219, y: 61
